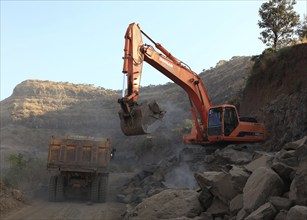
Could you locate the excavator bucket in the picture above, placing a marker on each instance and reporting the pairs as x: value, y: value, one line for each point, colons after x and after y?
x: 140, y: 118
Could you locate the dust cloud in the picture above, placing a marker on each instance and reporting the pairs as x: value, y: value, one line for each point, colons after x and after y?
x: 181, y: 177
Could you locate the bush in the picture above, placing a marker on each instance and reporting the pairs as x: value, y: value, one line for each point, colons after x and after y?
x: 266, y: 56
x: 262, y: 62
x: 24, y: 172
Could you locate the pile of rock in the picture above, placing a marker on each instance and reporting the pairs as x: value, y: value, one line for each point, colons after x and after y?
x: 10, y: 198
x: 146, y: 183
x: 168, y: 204
x: 250, y: 184
x: 271, y: 185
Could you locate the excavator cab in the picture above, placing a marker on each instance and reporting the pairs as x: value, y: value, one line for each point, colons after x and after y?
x: 224, y: 124
x: 223, y: 120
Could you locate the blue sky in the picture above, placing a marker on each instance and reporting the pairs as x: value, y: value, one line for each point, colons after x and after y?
x: 82, y: 41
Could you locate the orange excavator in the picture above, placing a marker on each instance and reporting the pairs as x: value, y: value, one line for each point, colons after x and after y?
x: 212, y: 124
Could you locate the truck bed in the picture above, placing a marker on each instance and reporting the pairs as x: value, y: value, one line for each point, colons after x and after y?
x: 80, y: 154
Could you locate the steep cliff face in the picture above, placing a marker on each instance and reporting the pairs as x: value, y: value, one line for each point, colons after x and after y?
x: 276, y: 93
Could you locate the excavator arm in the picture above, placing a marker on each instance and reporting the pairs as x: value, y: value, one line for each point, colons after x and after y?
x: 136, y: 117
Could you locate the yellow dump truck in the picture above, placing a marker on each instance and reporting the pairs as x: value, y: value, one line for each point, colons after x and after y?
x: 79, y: 165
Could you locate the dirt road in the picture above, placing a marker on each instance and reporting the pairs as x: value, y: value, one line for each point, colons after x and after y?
x: 41, y: 209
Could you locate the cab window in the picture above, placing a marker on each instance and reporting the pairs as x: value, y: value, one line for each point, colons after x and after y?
x: 215, y: 121
x: 230, y: 120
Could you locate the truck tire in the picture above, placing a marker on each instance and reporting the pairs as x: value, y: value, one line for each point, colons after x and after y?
x: 52, y: 188
x: 95, y: 190
x: 103, y: 188
x: 60, y: 189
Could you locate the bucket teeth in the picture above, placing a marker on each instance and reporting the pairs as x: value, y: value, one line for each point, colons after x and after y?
x: 140, y: 117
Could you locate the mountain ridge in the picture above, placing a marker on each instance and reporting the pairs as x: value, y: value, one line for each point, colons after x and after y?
x: 39, y: 109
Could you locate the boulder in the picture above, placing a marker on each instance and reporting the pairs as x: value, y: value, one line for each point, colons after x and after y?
x: 262, y: 184
x: 218, y: 208
x: 284, y: 154
x: 298, y: 189
x: 242, y: 214
x: 282, y: 215
x: 236, y: 204
x: 206, y: 216
x: 280, y: 203
x: 297, y: 212
x: 284, y: 171
x: 219, y: 183
x: 145, y: 183
x: 154, y: 191
x: 260, y: 153
x: 262, y: 161
x: 205, y: 198
x: 264, y: 212
x: 239, y: 177
x: 287, y: 157
x: 234, y: 156
x: 209, y: 158
x: 295, y: 144
x: 204, y: 179
x: 301, y: 152
x: 170, y: 203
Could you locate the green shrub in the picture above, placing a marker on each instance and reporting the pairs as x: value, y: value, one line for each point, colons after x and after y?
x: 24, y: 172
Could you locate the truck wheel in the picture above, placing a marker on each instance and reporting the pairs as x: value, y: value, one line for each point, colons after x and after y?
x: 95, y: 190
x: 60, y: 189
x: 103, y: 188
x: 51, y: 189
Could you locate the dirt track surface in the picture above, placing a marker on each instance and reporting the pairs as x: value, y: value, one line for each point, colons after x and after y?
x: 41, y: 209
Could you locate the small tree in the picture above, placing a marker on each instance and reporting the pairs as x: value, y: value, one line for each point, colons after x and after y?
x: 302, y: 30
x: 278, y: 19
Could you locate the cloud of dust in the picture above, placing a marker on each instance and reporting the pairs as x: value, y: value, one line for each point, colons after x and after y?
x: 181, y: 177
x: 171, y: 118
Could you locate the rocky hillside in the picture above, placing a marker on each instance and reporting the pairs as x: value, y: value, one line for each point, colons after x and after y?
x: 276, y: 93
x: 39, y: 109
x: 232, y: 75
